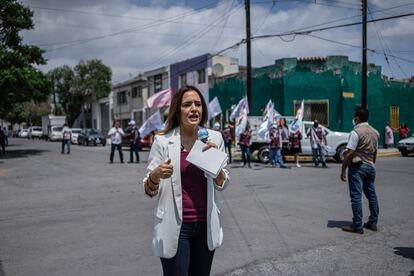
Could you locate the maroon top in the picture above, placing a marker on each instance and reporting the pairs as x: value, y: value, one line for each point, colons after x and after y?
x: 295, y: 139
x: 194, y: 190
x: 245, y: 138
x: 275, y: 138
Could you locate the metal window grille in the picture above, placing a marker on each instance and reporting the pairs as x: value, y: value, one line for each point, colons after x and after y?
x: 314, y: 110
x: 394, y: 116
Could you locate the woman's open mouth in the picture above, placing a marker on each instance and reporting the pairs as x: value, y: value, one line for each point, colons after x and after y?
x: 194, y: 117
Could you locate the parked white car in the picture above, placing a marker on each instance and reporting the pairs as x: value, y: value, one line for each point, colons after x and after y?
x: 406, y: 146
x: 55, y: 133
x: 35, y: 132
x: 23, y: 133
x: 337, y: 141
x: 75, y: 134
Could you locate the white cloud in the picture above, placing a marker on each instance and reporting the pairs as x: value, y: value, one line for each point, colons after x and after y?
x: 156, y: 44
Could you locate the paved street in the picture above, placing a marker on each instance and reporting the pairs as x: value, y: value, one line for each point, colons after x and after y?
x: 77, y: 214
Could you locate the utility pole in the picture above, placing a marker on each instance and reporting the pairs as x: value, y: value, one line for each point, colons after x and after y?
x: 248, y: 56
x: 364, y: 101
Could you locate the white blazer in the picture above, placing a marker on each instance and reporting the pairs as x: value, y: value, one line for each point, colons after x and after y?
x: 168, y: 210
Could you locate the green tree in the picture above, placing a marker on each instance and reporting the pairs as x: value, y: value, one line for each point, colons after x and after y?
x: 20, y: 81
x: 89, y: 80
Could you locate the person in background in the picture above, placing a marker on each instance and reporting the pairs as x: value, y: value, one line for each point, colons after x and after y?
x: 403, y: 130
x: 66, y: 139
x: 245, y: 141
x: 187, y: 227
x: 360, y: 160
x: 318, y: 141
x: 6, y: 136
x: 116, y: 134
x: 2, y: 141
x: 134, y: 140
x: 285, y: 133
x: 295, y: 137
x: 228, y: 139
x: 275, y: 145
x: 389, y: 136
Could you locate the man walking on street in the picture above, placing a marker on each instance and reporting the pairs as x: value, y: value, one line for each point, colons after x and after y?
x: 228, y: 139
x: 317, y: 140
x: 6, y: 136
x: 134, y: 139
x: 116, y: 134
x: 275, y: 145
x: 360, y: 159
x: 66, y: 135
x: 2, y: 141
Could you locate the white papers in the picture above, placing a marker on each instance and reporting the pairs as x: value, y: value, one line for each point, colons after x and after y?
x: 210, y: 161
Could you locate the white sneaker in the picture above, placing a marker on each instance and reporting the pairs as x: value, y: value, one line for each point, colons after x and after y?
x: 297, y: 165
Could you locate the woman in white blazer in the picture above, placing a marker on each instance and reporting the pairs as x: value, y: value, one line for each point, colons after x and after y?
x: 187, y: 226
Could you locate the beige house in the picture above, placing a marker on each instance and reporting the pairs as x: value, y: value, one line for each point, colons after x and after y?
x: 129, y: 100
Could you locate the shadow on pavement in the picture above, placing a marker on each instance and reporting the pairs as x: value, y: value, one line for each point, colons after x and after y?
x: 338, y: 223
x: 406, y: 252
x: 21, y: 153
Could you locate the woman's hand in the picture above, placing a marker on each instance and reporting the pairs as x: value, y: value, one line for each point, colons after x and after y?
x: 163, y: 171
x: 208, y: 145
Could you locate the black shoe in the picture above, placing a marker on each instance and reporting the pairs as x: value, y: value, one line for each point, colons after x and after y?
x: 324, y: 166
x: 122, y: 162
x: 352, y: 229
x: 130, y: 162
x: 372, y: 227
x: 285, y: 167
x: 249, y: 166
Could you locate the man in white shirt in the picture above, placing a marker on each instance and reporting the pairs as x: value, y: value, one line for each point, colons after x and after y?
x: 360, y: 161
x: 116, y: 134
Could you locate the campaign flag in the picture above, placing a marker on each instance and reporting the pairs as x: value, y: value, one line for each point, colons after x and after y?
x: 268, y: 120
x: 160, y: 99
x: 268, y: 107
x: 298, y: 118
x: 241, y: 107
x: 241, y: 123
x: 153, y: 123
x: 214, y: 108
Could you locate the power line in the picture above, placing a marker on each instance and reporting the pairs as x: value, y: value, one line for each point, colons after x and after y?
x: 305, y: 32
x: 125, y: 31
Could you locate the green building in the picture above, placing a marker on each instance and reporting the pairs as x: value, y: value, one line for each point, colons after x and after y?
x: 330, y: 87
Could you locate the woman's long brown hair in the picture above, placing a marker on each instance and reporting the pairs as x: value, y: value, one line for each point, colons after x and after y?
x: 173, y: 119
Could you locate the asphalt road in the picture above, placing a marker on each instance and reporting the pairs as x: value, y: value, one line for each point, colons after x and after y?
x: 79, y: 215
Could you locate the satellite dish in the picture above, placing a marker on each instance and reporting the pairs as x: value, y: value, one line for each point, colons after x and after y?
x: 218, y: 69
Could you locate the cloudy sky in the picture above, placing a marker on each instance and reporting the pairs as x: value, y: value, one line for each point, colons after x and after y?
x: 133, y: 36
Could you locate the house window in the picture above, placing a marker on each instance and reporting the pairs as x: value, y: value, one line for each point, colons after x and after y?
x: 157, y: 83
x: 183, y: 79
x: 134, y: 92
x: 201, y: 75
x: 394, y: 116
x: 314, y: 110
x: 121, y: 97
x: 139, y: 94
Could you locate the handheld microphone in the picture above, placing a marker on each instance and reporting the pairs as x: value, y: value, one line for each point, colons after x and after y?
x: 202, y: 134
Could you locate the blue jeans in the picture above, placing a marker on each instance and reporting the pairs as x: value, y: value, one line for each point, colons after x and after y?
x: 133, y: 148
x: 245, y: 150
x: 193, y: 258
x: 275, y: 156
x: 67, y: 143
x: 318, y: 155
x: 361, y: 178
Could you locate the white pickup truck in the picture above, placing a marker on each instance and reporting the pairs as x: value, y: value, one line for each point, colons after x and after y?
x: 336, y: 140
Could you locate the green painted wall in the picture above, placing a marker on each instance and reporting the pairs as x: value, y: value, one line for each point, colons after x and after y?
x: 290, y: 80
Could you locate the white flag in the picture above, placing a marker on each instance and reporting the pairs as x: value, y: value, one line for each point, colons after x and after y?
x: 153, y: 123
x: 296, y: 125
x: 242, y: 122
x: 214, y: 108
x: 160, y: 99
x: 268, y: 119
x: 241, y: 106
